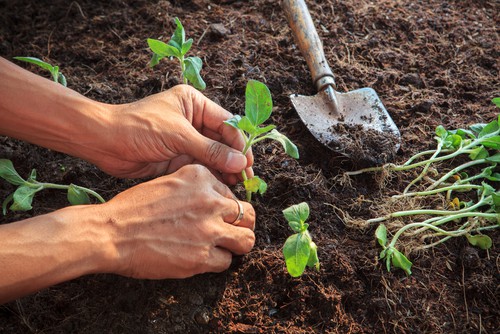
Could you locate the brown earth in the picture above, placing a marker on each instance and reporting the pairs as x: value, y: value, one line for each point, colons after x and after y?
x: 431, y: 62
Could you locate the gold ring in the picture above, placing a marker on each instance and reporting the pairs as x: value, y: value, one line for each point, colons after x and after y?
x: 241, y: 212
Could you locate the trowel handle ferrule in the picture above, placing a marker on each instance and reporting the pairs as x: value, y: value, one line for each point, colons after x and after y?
x: 310, y: 45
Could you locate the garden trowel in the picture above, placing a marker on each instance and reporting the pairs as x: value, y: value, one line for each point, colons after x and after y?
x: 356, y: 123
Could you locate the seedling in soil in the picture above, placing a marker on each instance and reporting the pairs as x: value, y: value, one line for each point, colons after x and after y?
x: 299, y: 249
x: 178, y: 47
x: 475, y: 181
x: 258, y: 108
x: 54, y: 70
x: 22, y: 197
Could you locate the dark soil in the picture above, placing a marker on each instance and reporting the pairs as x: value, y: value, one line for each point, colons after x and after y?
x: 431, y: 62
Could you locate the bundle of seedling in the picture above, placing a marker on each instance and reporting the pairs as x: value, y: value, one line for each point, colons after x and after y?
x: 459, y: 178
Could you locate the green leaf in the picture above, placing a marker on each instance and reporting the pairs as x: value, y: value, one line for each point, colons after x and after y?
x: 486, y: 190
x: 494, y: 177
x: 295, y: 226
x: 255, y: 185
x: 297, y: 250
x: 494, y: 158
x: 32, y: 176
x: 155, y: 60
x: 23, y: 197
x: 496, y: 201
x: 441, y: 131
x: 9, y: 173
x: 265, y: 129
x: 233, y: 121
x: 492, y: 142
x: 464, y: 133
x: 179, y: 36
x: 247, y: 126
x: 313, y: 261
x: 186, y: 46
x: 36, y: 61
x: 480, y: 240
x: 6, y: 202
x: 298, y: 212
x: 496, y: 101
x: 192, y: 72
x: 381, y: 234
x: 287, y: 144
x: 452, y: 140
x: 77, y: 196
x: 489, y: 129
x: 62, y: 80
x: 162, y: 50
x: 479, y: 153
x: 258, y: 102
x: 400, y: 261
x: 477, y: 128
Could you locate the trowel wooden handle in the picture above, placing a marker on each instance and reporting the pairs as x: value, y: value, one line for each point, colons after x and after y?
x: 310, y: 45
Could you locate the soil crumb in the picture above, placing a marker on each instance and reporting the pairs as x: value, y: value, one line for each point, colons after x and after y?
x: 363, y: 145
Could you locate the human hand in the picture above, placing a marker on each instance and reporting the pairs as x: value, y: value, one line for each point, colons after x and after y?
x: 178, y: 226
x: 163, y: 132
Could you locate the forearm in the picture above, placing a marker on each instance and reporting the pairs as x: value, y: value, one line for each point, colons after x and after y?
x: 42, y: 112
x: 53, y: 248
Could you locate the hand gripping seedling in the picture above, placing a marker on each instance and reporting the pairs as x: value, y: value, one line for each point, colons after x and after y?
x: 258, y: 108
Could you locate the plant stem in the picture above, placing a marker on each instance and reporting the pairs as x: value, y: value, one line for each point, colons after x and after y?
x: 435, y: 191
x: 183, y: 69
x: 64, y: 187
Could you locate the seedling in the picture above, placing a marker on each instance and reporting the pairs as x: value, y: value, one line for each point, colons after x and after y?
x: 22, y: 197
x: 299, y: 249
x: 54, y: 70
x: 178, y: 47
x: 476, y: 178
x: 258, y: 108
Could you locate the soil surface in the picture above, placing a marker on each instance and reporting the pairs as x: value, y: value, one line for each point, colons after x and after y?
x: 431, y: 62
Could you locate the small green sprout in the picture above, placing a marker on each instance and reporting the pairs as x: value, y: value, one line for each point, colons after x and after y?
x: 54, y: 70
x: 258, y: 108
x: 299, y: 250
x: 22, y: 197
x: 471, y: 218
x: 178, y: 47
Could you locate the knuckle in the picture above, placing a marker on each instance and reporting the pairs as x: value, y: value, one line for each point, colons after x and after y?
x: 214, y: 152
x: 193, y: 171
x: 248, y: 242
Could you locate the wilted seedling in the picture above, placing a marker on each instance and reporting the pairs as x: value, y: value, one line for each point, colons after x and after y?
x: 178, y: 47
x: 22, y: 197
x: 54, y: 70
x: 299, y: 249
x: 477, y: 178
x: 258, y: 108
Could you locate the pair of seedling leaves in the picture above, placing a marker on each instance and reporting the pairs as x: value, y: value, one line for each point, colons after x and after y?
x: 258, y: 109
x: 178, y: 47
x: 482, y: 144
x: 299, y: 250
x: 22, y: 197
x: 54, y: 70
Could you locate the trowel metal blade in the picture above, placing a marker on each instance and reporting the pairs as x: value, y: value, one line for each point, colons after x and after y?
x: 355, y: 124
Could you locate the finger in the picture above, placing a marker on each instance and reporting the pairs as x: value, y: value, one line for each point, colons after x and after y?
x: 219, y: 260
x: 239, y: 213
x: 214, y: 154
x: 235, y: 239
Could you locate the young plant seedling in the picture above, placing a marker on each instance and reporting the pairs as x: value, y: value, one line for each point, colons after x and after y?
x: 178, y: 47
x: 54, y: 70
x: 299, y: 250
x: 476, y: 178
x: 258, y: 108
x: 22, y: 197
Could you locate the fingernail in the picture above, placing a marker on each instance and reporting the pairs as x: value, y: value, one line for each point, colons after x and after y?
x: 236, y: 162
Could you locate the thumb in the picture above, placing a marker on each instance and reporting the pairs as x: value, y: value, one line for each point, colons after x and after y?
x: 215, y: 154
